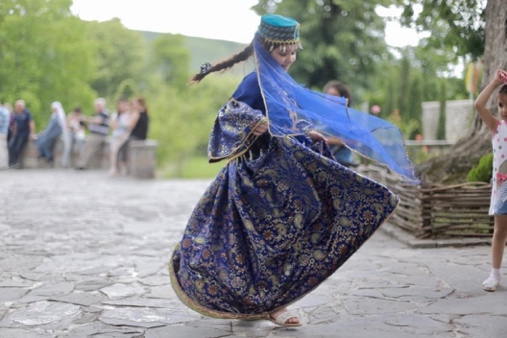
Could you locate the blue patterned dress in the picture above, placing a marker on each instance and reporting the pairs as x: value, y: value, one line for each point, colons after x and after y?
x: 278, y: 219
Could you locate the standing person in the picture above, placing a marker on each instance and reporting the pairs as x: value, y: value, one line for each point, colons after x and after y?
x: 5, y: 121
x: 120, y: 122
x: 139, y: 123
x: 56, y: 127
x: 24, y: 130
x: 498, y: 207
x: 282, y: 215
x: 138, y: 130
x: 99, y: 130
x: 341, y: 153
x: 75, y: 135
x: 12, y: 124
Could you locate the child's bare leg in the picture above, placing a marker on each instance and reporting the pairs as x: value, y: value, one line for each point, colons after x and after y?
x: 499, y: 238
x: 497, y: 250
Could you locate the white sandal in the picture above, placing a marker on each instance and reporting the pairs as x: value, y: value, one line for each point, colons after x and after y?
x: 282, y: 318
x: 490, y: 284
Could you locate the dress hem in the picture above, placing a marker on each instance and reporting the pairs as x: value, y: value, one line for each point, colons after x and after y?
x: 193, y: 305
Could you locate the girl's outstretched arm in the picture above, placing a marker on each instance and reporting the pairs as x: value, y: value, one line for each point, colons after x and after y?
x: 480, y: 103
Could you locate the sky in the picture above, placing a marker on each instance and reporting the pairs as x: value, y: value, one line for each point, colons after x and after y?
x: 231, y: 20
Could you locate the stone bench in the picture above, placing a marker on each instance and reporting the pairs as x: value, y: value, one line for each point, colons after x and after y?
x: 142, y: 158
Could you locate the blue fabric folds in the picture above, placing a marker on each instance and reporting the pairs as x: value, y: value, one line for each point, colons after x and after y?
x: 278, y: 220
x: 282, y: 215
x: 288, y: 102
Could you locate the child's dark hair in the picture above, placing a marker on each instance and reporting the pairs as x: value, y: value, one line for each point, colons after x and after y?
x: 503, y: 89
x: 338, y: 86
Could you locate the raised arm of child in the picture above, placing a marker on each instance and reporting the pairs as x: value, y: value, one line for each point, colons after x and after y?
x: 480, y: 103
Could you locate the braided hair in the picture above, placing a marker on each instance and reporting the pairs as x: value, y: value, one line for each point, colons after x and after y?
x: 224, y: 65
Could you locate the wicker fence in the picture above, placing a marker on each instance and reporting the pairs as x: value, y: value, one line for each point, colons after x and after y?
x: 438, y: 211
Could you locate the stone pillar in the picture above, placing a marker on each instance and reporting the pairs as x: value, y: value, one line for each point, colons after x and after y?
x: 459, y: 116
x: 142, y: 158
x: 430, y: 119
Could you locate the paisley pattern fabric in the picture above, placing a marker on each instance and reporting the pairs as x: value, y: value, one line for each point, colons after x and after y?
x: 231, y: 133
x: 279, y: 219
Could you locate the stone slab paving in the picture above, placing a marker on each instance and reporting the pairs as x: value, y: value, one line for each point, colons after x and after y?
x: 85, y: 255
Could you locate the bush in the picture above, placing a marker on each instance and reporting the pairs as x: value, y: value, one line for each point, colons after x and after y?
x: 482, y: 172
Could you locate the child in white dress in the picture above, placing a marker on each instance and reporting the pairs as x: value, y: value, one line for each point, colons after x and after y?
x: 498, y: 207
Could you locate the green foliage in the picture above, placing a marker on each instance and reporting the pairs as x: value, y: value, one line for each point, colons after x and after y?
x: 44, y: 55
x: 414, y: 107
x: 404, y: 86
x: 482, y: 172
x: 457, y: 27
x: 119, y: 56
x: 181, y: 120
x: 170, y: 59
x: 405, y: 83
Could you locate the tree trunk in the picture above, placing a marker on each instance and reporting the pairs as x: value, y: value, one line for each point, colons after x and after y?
x: 454, y: 165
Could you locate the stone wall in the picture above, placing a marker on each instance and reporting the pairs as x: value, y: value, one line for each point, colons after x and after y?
x: 141, y: 154
x: 430, y: 119
x: 142, y: 158
x: 459, y: 116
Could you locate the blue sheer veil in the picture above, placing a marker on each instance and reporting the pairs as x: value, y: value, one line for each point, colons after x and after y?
x: 288, y: 104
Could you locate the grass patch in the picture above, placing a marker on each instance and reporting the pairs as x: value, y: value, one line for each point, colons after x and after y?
x: 195, y: 167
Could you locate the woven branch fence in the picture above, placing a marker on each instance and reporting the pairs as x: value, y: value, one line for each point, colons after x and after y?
x: 438, y: 211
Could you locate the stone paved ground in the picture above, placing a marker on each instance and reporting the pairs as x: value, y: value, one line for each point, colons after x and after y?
x: 84, y: 255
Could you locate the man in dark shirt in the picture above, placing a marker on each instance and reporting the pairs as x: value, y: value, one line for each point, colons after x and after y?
x: 99, y: 130
x: 24, y: 130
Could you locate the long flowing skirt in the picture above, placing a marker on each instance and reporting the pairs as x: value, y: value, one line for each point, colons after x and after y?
x: 271, y: 227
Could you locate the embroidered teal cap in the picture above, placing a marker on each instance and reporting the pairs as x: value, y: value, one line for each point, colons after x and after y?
x: 279, y: 29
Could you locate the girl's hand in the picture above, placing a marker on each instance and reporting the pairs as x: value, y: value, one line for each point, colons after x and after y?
x: 501, y: 76
x: 261, y: 128
x: 316, y: 136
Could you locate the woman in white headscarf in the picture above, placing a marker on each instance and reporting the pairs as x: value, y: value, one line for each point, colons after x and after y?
x: 47, y: 138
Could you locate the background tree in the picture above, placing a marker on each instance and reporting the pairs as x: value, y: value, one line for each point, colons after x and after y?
x: 414, y: 106
x: 457, y: 27
x: 403, y: 101
x: 454, y: 165
x: 119, y: 55
x: 41, y: 68
x: 170, y: 60
x: 441, y: 112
